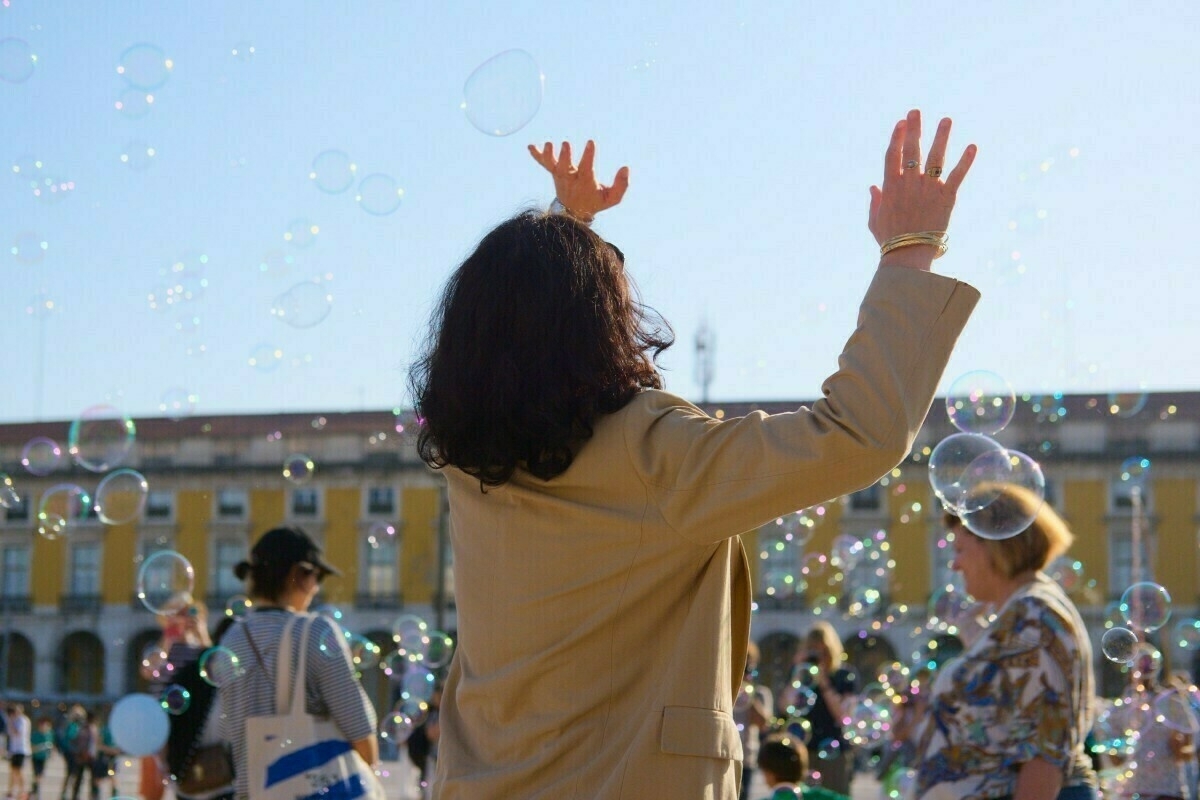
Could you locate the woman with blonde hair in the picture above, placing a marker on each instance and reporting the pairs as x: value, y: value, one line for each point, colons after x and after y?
x: 820, y: 678
x: 1009, y: 715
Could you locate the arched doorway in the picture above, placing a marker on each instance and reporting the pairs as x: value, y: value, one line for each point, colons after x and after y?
x: 16, y: 663
x: 81, y: 664
x: 777, y: 651
x: 868, y: 655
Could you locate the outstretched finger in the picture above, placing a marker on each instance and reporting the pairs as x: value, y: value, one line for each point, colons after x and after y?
x: 873, y: 209
x: 937, y: 151
x: 912, y: 140
x: 564, y: 158
x: 588, y: 159
x: 892, y: 157
x: 620, y: 185
x: 544, y: 157
x: 955, y: 178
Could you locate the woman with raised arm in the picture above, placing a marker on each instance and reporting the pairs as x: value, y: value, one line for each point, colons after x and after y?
x: 603, y: 593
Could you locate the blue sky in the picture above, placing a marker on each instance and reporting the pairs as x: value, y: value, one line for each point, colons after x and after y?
x: 752, y: 130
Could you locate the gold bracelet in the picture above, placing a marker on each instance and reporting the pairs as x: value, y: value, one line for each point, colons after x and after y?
x: 935, y: 239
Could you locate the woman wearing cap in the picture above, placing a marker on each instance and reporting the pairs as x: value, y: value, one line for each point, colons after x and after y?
x: 282, y: 576
x: 603, y: 594
x: 1008, y: 717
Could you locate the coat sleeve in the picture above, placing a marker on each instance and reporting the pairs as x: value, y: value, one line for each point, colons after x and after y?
x: 713, y: 479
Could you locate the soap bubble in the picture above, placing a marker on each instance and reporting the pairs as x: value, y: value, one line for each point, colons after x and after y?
x: 1146, y: 664
x: 265, y: 357
x: 101, y: 438
x: 1187, y: 633
x: 144, y: 66
x: 379, y: 194
x: 134, y: 104
x: 68, y: 502
x: 333, y: 171
x: 397, y: 725
x: 165, y: 582
x: 418, y: 684
x: 439, y: 650
x: 298, y: 468
x: 40, y: 456
x: 243, y: 51
x: 411, y: 635
x: 1066, y: 572
x: 139, y: 724
x: 1119, y: 645
x: 121, y: 496
x: 1126, y: 404
x: 301, y: 232
x: 1146, y: 606
x: 1134, y: 471
x: 364, y: 653
x: 981, y: 402
x: 177, y: 403
x: 799, y: 728
x: 175, y: 699
x: 1172, y: 709
x: 219, y: 666
x: 8, y: 492
x: 963, y: 462
x: 50, y: 526
x: 1017, y: 498
x: 238, y: 606
x: 17, y: 60
x: 137, y: 155
x: 504, y: 93
x: 29, y: 248
x: 304, y: 305
x: 155, y: 662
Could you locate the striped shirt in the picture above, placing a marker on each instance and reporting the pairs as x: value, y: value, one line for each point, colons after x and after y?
x: 331, y: 688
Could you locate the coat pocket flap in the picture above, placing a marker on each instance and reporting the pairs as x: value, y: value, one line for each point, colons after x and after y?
x: 700, y: 732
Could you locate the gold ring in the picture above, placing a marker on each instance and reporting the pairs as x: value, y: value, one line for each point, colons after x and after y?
x: 934, y: 172
x: 911, y: 164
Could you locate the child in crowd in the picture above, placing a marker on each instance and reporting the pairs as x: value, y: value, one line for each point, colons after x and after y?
x: 783, y: 762
x: 42, y: 741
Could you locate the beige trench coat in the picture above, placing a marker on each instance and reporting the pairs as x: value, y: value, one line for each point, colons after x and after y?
x: 603, y: 615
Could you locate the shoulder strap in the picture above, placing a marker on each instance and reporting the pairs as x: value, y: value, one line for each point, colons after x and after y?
x: 283, y: 667
x: 298, y: 698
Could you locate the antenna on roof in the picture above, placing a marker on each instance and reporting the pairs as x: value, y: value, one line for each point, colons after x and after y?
x: 706, y: 346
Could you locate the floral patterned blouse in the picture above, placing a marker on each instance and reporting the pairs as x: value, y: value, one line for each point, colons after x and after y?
x: 1022, y: 690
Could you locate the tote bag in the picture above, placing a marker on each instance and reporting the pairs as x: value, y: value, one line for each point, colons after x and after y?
x: 294, y: 755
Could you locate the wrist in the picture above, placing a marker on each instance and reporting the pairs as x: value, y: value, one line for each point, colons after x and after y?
x: 917, y: 256
x: 558, y: 207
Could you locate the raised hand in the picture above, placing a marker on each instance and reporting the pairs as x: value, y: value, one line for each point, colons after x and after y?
x: 914, y: 197
x: 576, y: 186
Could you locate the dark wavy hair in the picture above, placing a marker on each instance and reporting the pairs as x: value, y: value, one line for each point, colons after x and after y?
x: 537, y: 333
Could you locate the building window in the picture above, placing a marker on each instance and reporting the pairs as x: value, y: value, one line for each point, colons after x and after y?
x: 232, y: 503
x: 226, y: 554
x: 383, y: 567
x: 18, y: 511
x: 1120, y: 495
x: 865, y: 583
x: 85, y: 569
x: 160, y: 506
x: 869, y: 499
x: 14, y: 577
x: 306, y: 503
x: 381, y: 501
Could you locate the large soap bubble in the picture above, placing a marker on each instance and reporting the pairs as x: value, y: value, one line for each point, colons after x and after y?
x: 981, y: 402
x: 121, y: 496
x: 101, y: 438
x: 961, y: 464
x: 165, y: 582
x: 1015, y: 502
x: 504, y: 93
x: 1146, y: 606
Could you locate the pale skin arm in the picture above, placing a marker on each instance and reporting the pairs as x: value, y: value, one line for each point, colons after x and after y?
x: 576, y: 186
x: 1038, y: 779
x: 911, y: 201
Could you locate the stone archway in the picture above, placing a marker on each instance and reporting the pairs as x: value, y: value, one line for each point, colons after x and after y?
x: 16, y: 668
x: 777, y: 651
x: 81, y: 664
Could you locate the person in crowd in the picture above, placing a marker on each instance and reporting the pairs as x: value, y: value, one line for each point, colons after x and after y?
x: 819, y: 669
x: 595, y: 517
x: 752, y: 715
x: 1009, y: 715
x: 85, y: 747
x: 422, y: 743
x: 68, y: 726
x: 283, y: 574
x: 104, y: 769
x: 20, y: 748
x: 783, y: 762
x: 42, y: 741
x: 196, y: 726
x: 1165, y: 726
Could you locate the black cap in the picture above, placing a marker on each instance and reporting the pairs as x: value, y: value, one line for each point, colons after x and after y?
x: 280, y: 548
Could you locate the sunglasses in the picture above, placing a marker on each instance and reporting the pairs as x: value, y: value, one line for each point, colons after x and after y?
x: 309, y: 569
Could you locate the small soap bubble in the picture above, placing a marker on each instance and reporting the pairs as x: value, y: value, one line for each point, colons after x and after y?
x: 17, y: 60
x: 243, y: 51
x: 265, y: 357
x: 364, y: 654
x: 8, y: 492
x: 50, y: 526
x: 41, y: 456
x: 304, y: 305
x: 439, y: 650
x: 121, y: 496
x: 100, y: 438
x: 418, y: 684
x: 276, y: 264
x: 410, y: 633
x: 1018, y: 497
x: 68, y: 502
x: 379, y: 194
x: 29, y: 248
x: 144, y: 66
x: 1067, y: 572
x: 1146, y: 664
x: 165, y: 582
x: 1126, y: 404
x: 301, y: 232
x: 1187, y: 633
x: 981, y: 402
x: 964, y: 467
x: 137, y: 155
x: 134, y: 104
x: 298, y: 468
x: 799, y: 728
x: 1146, y: 606
x: 238, y: 606
x: 397, y: 726
x: 175, y: 699
x: 382, y: 531
x: 177, y: 403
x: 219, y: 666
x: 504, y: 93
x: 333, y: 171
x: 1134, y: 471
